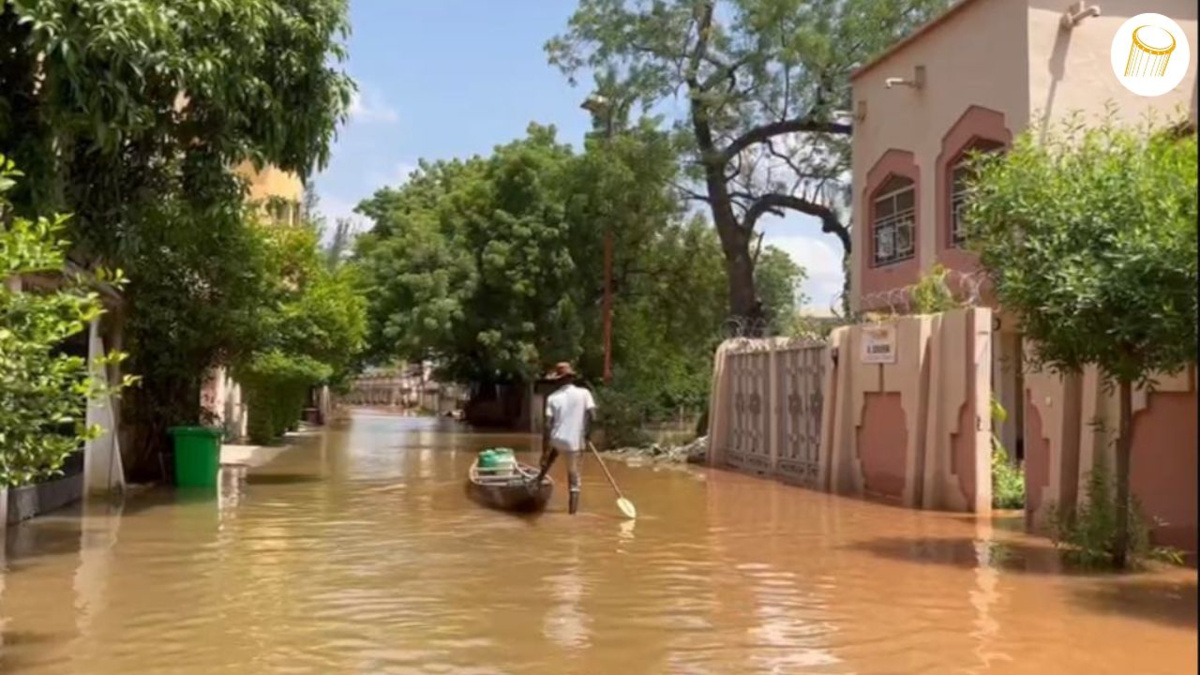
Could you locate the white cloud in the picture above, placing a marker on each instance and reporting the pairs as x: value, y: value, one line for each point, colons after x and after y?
x: 819, y: 254
x: 366, y: 106
x: 394, y: 177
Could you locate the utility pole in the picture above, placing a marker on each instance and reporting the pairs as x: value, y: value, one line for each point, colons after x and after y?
x: 600, y: 106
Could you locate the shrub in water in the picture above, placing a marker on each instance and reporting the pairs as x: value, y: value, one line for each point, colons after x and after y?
x: 1087, y: 535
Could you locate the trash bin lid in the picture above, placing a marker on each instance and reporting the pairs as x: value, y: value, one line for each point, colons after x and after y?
x: 195, y: 431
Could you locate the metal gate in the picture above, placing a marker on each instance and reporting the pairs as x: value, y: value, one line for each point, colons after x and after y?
x: 775, y: 399
x: 799, y: 403
x: 749, y: 447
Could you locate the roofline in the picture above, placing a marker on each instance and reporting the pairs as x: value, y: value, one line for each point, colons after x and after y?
x: 933, y: 23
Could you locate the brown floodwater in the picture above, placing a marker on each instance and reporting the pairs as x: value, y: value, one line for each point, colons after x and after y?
x: 358, y: 552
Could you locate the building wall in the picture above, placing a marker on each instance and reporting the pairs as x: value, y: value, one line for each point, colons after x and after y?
x: 977, y: 57
x: 915, y: 432
x: 272, y: 183
x: 1069, y: 71
x: 1072, y: 421
x: 992, y: 68
x: 221, y: 397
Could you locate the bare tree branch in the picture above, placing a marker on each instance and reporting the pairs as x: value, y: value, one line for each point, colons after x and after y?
x: 689, y: 193
x: 768, y: 131
x: 772, y: 203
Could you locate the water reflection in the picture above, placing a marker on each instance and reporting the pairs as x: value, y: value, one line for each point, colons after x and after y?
x: 566, y: 624
x: 984, y: 596
x: 100, y: 522
x: 626, y: 532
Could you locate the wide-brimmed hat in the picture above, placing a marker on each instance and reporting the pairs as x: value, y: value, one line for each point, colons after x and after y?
x: 561, y: 370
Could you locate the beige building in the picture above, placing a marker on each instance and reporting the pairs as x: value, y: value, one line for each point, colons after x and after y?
x: 279, y: 193
x: 973, y: 79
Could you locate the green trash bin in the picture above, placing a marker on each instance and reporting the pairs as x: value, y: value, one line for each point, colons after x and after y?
x: 197, y: 456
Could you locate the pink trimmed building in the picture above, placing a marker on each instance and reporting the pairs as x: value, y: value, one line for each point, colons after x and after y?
x: 972, y: 79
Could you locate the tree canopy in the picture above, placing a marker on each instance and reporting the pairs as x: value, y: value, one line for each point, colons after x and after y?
x: 96, y: 97
x: 310, y: 328
x: 131, y: 116
x: 766, y: 84
x: 493, y: 267
x: 469, y: 266
x: 44, y: 390
x: 1089, y: 236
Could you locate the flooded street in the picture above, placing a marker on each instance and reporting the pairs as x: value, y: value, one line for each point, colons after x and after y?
x: 358, y: 552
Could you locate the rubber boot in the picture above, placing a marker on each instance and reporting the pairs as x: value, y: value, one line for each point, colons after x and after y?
x: 573, y: 504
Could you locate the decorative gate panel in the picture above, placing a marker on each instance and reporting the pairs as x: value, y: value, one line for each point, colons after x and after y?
x: 749, y: 445
x: 773, y: 397
x: 799, y: 400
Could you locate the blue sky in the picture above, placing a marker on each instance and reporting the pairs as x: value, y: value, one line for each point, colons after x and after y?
x: 452, y: 78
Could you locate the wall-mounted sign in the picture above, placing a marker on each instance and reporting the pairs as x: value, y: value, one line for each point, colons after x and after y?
x: 879, y: 344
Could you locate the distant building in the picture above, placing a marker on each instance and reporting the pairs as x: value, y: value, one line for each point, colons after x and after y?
x: 410, y: 385
x: 279, y: 193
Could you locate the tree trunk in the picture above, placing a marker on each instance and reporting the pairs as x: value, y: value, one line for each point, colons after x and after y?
x: 743, y: 300
x: 1120, y: 553
x: 735, y: 239
x: 735, y: 243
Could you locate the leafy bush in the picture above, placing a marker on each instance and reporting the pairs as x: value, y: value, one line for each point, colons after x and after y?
x: 1088, y: 234
x: 1088, y: 535
x: 276, y: 386
x: 932, y: 294
x: 310, y: 331
x: 621, y: 417
x: 90, y: 107
x: 1008, y: 480
x: 43, y: 392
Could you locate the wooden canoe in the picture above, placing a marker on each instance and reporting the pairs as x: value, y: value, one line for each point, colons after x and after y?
x: 512, y: 492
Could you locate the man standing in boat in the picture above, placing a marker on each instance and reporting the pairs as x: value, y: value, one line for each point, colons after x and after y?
x: 570, y: 412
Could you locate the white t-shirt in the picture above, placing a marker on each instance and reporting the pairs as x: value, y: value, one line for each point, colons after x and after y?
x: 566, y: 412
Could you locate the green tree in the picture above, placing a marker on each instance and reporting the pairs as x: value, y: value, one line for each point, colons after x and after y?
x: 663, y: 346
x: 96, y: 95
x: 778, y: 279
x: 492, y: 267
x: 469, y: 264
x: 130, y: 116
x: 767, y: 86
x: 44, y: 392
x: 309, y: 329
x: 197, y: 280
x: 1089, y: 236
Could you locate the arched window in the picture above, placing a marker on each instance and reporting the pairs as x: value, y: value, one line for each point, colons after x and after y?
x: 893, y: 221
x: 960, y: 178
